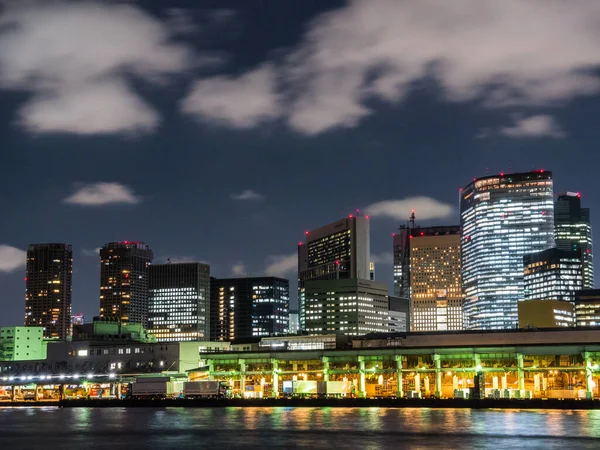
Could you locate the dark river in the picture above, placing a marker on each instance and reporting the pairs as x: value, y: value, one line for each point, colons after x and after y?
x: 310, y: 428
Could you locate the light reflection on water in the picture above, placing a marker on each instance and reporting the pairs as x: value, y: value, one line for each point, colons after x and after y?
x: 314, y: 428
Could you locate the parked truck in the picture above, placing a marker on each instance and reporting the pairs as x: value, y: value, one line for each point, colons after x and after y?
x: 150, y: 388
x: 205, y: 389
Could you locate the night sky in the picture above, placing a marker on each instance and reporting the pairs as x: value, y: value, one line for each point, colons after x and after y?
x: 220, y: 130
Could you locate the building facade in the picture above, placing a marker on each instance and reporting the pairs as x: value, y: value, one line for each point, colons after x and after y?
x: 546, y: 314
x: 587, y: 308
x: 48, y: 288
x: 503, y: 218
x: 124, y: 270
x: 399, y: 314
x: 242, y: 308
x: 179, y: 308
x: 338, y: 251
x: 573, y: 232
x: 351, y: 307
x: 435, y: 279
x: 401, y: 243
x: 552, y: 274
x: 22, y: 343
x: 294, y: 321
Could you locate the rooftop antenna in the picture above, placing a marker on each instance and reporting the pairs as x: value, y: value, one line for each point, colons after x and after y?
x: 168, y: 260
x: 412, y: 219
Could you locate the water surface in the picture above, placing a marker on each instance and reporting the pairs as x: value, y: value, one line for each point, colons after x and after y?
x: 310, y: 428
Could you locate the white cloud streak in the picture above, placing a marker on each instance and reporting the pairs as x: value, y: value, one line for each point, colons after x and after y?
x: 281, y: 265
x: 11, y: 258
x: 426, y: 208
x: 76, y: 57
x: 498, y: 53
x: 239, y: 269
x: 91, y: 252
x: 534, y: 127
x: 382, y: 258
x: 243, y: 101
x: 247, y: 195
x: 103, y: 193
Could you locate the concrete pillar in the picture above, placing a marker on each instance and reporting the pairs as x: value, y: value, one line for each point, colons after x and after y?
x: 37, y: 392
x: 211, y: 369
x: 438, y: 376
x: 275, y: 378
x: 325, y: 368
x: 520, y: 372
x: 14, y: 393
x: 362, y: 390
x: 399, y: 391
x: 589, y: 390
x: 242, y: 376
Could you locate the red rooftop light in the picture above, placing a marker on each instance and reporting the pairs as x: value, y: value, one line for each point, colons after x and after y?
x: 299, y: 243
x: 501, y: 174
x: 350, y: 216
x: 393, y: 234
x: 306, y: 232
x: 366, y: 217
x: 578, y: 195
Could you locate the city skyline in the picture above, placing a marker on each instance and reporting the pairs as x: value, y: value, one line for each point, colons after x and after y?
x: 143, y: 167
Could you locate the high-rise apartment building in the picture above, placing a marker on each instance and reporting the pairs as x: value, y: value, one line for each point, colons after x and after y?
x: 503, y: 218
x: 552, y: 274
x: 179, y: 307
x: 573, y: 232
x: 352, y: 307
x: 242, y: 308
x: 338, y: 251
x: 124, y: 281
x: 435, y: 279
x: 48, y: 280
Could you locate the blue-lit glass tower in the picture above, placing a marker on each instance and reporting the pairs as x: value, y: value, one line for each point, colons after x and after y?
x: 503, y: 217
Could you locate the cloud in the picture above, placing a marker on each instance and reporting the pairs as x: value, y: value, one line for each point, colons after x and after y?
x: 91, y: 252
x: 534, y: 126
x: 425, y: 208
x: 240, y: 102
x: 178, y: 259
x: 239, y: 269
x: 11, y: 258
x: 76, y: 59
x: 281, y: 265
x: 498, y: 53
x: 247, y: 194
x: 102, y: 193
x: 383, y: 258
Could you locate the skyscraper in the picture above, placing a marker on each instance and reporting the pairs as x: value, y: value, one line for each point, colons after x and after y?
x: 124, y: 281
x: 503, y: 218
x: 340, y: 250
x: 179, y: 302
x: 573, y: 231
x: 435, y: 283
x: 242, y: 308
x: 351, y: 307
x: 48, y: 280
x: 552, y: 274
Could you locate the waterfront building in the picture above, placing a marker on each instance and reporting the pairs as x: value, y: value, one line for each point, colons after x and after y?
x: 179, y: 308
x: 573, y: 232
x: 552, y: 274
x: 587, y: 308
x: 337, y: 251
x: 503, y: 218
x: 511, y: 363
x: 351, y: 307
x: 435, y: 279
x: 546, y: 314
x: 48, y: 289
x: 22, y: 343
x: 124, y: 281
x: 242, y: 308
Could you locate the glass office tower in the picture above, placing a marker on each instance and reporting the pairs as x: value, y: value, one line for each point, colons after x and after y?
x: 179, y: 302
x: 503, y: 217
x: 573, y: 232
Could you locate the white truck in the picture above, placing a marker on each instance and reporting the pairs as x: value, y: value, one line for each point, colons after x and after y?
x: 205, y: 389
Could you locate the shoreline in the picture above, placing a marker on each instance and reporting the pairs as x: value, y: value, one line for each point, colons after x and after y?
x: 318, y: 402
